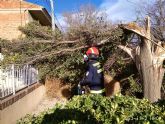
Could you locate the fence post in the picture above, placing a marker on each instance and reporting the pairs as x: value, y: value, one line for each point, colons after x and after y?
x: 28, y: 75
x: 37, y: 76
x: 1, y: 84
x: 12, y: 68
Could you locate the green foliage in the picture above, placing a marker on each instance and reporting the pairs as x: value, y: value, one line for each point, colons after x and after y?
x: 68, y: 66
x: 95, y: 109
x: 35, y: 30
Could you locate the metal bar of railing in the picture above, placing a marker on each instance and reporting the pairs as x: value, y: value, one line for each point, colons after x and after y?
x: 14, y: 78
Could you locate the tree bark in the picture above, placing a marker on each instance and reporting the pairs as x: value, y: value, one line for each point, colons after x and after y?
x: 150, y: 75
x: 151, y: 68
x: 149, y: 62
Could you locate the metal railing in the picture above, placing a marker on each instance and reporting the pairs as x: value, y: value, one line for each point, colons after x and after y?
x: 14, y: 78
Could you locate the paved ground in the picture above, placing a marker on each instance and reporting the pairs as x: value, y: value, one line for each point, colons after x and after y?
x: 57, y: 92
x: 47, y: 103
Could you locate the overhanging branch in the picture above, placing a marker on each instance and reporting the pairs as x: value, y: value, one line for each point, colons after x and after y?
x: 134, y: 28
x: 64, y: 51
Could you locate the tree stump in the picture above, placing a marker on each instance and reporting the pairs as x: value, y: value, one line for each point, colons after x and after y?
x: 112, y: 86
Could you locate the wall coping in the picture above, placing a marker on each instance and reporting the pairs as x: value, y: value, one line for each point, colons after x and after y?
x: 7, y: 101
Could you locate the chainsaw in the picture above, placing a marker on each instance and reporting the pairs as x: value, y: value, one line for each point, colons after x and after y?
x: 80, y: 89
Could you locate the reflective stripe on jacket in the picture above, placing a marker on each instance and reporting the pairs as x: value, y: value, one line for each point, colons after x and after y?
x: 97, y: 91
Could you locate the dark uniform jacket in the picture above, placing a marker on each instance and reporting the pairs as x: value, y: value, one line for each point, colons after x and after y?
x: 94, y: 76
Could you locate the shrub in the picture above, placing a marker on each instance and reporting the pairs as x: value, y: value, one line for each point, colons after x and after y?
x: 95, y: 109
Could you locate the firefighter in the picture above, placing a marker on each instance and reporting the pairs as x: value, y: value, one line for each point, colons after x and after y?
x: 94, y: 76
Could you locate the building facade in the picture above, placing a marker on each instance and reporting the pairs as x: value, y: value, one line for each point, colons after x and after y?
x: 15, y: 13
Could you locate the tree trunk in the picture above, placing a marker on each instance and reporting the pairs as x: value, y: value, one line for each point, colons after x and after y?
x: 149, y: 60
x: 152, y: 75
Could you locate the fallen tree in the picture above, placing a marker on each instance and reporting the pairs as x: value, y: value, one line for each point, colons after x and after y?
x: 148, y: 57
x: 58, y: 53
x: 62, y: 56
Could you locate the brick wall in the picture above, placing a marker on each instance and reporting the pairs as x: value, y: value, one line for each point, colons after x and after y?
x: 11, y: 17
x: 4, y: 4
x: 9, y: 23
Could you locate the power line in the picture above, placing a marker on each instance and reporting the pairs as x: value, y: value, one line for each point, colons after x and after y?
x: 59, y: 24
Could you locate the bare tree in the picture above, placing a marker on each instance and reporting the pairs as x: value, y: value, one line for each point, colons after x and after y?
x: 87, y: 23
x: 156, y: 11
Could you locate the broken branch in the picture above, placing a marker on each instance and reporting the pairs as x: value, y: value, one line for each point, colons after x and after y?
x: 47, y: 54
x: 127, y: 50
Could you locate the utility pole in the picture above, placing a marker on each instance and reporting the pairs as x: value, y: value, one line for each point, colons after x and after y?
x: 52, y: 14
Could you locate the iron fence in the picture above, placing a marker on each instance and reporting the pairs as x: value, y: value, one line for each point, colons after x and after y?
x: 14, y: 78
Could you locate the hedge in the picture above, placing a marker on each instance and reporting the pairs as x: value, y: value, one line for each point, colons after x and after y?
x: 96, y: 109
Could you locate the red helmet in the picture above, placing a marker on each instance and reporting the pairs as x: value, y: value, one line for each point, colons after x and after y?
x: 92, y: 50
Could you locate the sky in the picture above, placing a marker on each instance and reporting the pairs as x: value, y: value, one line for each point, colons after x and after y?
x: 116, y: 9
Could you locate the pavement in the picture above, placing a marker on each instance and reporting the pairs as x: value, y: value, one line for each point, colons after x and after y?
x: 47, y: 103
